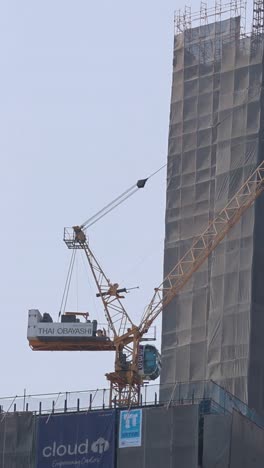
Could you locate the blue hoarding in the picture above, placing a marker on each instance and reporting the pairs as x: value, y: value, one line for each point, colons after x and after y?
x: 130, y: 428
x: 77, y: 440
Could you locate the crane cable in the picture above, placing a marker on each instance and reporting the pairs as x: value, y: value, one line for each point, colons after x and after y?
x: 141, y: 182
x: 67, y: 284
x: 100, y: 214
x: 120, y: 199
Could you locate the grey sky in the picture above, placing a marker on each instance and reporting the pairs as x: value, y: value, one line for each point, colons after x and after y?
x: 85, y: 95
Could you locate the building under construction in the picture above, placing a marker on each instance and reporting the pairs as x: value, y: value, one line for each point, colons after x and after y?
x: 212, y: 428
x: 208, y: 409
x: 214, y: 328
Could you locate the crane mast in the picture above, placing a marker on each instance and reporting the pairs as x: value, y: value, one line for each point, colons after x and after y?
x: 110, y: 293
x: 116, y: 315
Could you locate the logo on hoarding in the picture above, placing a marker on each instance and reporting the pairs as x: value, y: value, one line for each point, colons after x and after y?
x: 130, y: 428
x: 99, y: 446
x: 77, y: 440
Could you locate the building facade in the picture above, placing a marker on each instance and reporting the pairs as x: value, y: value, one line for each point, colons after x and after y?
x: 214, y: 329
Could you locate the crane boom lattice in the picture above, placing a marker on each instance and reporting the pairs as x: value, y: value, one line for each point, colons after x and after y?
x: 116, y: 315
x: 201, y: 248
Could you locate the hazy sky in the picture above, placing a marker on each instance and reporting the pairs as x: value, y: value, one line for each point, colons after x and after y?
x: 85, y: 96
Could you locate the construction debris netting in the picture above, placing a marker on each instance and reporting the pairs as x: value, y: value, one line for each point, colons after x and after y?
x: 169, y: 439
x: 17, y: 440
x: 216, y: 440
x: 214, y: 145
x: 247, y: 443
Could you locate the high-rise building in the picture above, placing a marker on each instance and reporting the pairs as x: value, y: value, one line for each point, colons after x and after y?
x: 214, y: 329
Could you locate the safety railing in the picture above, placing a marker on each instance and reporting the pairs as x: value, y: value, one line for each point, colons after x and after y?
x: 212, y: 399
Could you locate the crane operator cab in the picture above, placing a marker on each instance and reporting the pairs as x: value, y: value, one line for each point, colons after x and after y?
x: 149, y: 362
x: 75, y: 332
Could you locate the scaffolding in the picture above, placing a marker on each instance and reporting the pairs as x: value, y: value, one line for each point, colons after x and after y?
x: 185, y: 19
x: 258, y: 19
x: 211, y: 27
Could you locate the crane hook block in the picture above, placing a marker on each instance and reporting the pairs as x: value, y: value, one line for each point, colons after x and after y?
x: 141, y: 183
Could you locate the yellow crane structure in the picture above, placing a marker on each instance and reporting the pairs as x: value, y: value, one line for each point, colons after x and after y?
x: 128, y: 376
x: 126, y: 380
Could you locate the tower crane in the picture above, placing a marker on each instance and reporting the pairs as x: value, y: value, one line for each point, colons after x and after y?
x: 129, y: 374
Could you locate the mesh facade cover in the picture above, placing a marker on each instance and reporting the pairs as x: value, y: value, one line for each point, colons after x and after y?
x: 247, y: 443
x: 169, y: 439
x: 216, y: 440
x: 213, y: 329
x: 17, y: 440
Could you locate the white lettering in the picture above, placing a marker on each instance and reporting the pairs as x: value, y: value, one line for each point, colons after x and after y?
x: 140, y: 358
x: 72, y: 452
x: 69, y: 449
x: 89, y: 461
x: 131, y: 418
x: 61, y: 450
x: 84, y: 450
x: 47, y: 452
